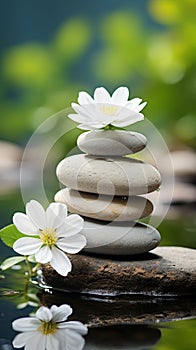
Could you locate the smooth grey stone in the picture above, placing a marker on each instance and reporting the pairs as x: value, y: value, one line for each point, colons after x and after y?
x: 103, y: 207
x: 119, y: 176
x: 111, y: 142
x: 119, y: 238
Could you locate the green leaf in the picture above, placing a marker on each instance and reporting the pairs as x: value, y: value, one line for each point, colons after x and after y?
x: 10, y: 234
x: 9, y: 262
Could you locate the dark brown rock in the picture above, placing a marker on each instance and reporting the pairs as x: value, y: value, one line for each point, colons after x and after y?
x: 165, y: 271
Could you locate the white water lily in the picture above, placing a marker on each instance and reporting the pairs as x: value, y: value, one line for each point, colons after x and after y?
x: 51, y: 234
x: 105, y: 110
x: 49, y: 330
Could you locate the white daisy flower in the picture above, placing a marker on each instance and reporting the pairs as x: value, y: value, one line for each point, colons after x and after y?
x: 104, y: 110
x: 52, y: 234
x: 48, y: 330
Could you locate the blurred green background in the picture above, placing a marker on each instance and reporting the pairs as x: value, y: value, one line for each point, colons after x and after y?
x: 51, y: 51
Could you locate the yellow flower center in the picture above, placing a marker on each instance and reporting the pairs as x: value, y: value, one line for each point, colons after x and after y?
x: 48, y: 327
x: 109, y: 109
x: 48, y: 236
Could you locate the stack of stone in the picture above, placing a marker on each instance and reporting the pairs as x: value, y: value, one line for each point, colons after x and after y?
x: 105, y: 187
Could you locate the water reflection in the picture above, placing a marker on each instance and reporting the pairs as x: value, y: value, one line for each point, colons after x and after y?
x: 122, y: 337
x: 49, y: 329
x: 113, y: 323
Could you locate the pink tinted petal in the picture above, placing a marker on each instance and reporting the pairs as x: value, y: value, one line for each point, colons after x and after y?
x: 60, y: 262
x: 44, y: 255
x: 44, y: 314
x: 60, y: 313
x: 36, y: 213
x: 72, y: 244
x: 120, y: 96
x: 84, y: 98
x: 101, y: 95
x: 56, y: 214
x: 27, y: 245
x: 25, y: 324
x: 74, y: 326
x: 24, y: 224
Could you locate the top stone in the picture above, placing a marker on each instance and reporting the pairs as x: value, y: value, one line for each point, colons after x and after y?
x: 111, y: 142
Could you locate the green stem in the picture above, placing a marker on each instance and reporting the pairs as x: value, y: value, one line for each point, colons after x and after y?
x: 30, y: 272
x: 112, y: 127
x: 36, y: 267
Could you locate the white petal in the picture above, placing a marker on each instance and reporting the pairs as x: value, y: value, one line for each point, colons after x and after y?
x: 72, y: 244
x: 73, y: 224
x: 44, y: 314
x: 84, y: 111
x: 128, y: 121
x: 78, y: 118
x: 60, y: 336
x: 60, y: 262
x: 61, y: 313
x: 25, y: 324
x: 36, y: 213
x: 27, y: 245
x: 67, y: 231
x: 84, y: 98
x: 91, y: 126
x: 75, y: 220
x: 24, y: 224
x: 141, y: 106
x: 135, y: 105
x: 44, y: 255
x: 73, y: 340
x: 101, y: 95
x: 120, y: 96
x: 23, y: 338
x: 74, y: 326
x: 56, y: 214
x: 38, y: 342
x: 53, y: 343
x: 134, y: 102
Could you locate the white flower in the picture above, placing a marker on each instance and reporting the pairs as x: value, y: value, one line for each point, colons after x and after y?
x: 52, y: 234
x: 49, y: 331
x: 106, y: 110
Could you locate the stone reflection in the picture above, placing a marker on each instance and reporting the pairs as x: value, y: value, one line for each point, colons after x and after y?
x: 122, y: 337
x: 95, y: 311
